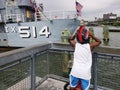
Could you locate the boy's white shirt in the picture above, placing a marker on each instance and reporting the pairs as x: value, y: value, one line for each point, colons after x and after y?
x: 82, y: 61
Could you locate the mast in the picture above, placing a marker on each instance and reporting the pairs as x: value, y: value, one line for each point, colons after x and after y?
x: 38, y: 9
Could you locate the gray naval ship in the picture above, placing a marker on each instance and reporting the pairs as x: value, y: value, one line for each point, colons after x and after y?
x: 24, y: 23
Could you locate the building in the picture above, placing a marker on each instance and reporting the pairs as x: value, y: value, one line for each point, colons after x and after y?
x: 109, y: 16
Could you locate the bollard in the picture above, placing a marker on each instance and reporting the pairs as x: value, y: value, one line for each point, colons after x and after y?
x: 64, y: 38
x: 67, y: 63
x: 91, y: 30
x: 65, y: 35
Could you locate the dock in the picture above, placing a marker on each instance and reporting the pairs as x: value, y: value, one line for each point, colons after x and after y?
x: 114, y: 30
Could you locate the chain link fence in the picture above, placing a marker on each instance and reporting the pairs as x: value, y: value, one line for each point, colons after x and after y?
x: 108, y: 71
x: 15, y: 75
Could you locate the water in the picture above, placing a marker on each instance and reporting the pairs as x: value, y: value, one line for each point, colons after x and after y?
x: 114, y: 37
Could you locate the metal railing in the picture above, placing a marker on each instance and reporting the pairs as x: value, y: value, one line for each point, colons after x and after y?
x: 107, y: 71
x: 23, y: 69
x: 59, y: 15
x: 40, y: 16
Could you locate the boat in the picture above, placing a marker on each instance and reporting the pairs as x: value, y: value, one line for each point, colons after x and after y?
x: 24, y: 23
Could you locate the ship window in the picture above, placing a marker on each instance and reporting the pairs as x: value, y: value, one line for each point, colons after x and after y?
x: 28, y: 15
x: 4, y: 39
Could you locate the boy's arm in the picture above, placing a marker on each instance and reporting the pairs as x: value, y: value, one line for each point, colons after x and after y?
x: 72, y: 40
x: 96, y: 43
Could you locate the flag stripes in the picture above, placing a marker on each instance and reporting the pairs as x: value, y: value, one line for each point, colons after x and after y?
x: 78, y: 8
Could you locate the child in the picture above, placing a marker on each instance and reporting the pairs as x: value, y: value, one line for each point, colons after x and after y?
x: 81, y: 69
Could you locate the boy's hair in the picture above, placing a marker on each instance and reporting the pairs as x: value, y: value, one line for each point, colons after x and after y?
x: 83, y: 35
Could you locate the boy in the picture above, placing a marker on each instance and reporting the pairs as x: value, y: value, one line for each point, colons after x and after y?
x: 81, y: 69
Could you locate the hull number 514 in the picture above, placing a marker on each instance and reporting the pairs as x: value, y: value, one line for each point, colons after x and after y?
x: 25, y: 33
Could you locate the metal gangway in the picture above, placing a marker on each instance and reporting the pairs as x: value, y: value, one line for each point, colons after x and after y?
x: 45, y: 67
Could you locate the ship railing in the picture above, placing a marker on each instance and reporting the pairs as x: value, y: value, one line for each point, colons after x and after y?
x: 27, y: 68
x: 14, y: 18
x: 56, y: 15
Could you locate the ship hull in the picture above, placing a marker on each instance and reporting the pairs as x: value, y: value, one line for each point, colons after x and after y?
x: 28, y: 33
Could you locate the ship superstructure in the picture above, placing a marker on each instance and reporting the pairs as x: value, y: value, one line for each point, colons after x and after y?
x: 24, y: 23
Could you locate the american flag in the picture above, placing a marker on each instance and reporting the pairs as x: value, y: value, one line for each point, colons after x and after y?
x: 34, y: 5
x: 78, y: 8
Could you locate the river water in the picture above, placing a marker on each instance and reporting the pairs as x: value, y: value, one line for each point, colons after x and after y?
x: 114, y: 37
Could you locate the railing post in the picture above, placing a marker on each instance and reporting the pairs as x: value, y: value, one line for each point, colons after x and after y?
x: 48, y: 62
x: 32, y: 70
x: 94, y: 71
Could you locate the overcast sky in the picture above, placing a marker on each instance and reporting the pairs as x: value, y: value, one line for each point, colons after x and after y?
x: 91, y: 8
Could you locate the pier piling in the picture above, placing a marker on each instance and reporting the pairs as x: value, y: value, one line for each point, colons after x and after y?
x: 91, y: 30
x: 105, y: 35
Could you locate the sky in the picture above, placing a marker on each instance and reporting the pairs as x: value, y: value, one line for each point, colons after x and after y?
x: 90, y: 10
